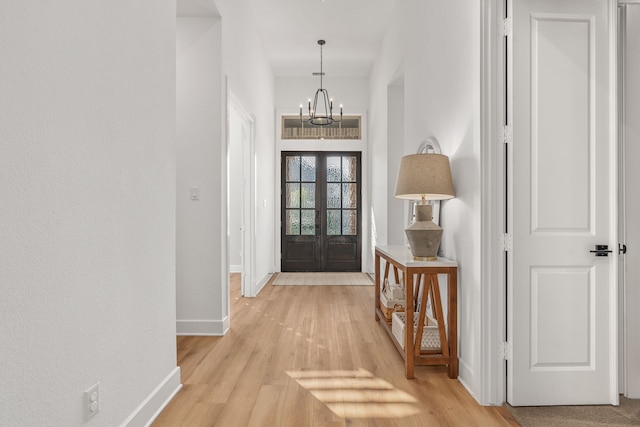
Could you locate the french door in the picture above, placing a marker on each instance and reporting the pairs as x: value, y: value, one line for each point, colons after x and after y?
x: 321, y: 211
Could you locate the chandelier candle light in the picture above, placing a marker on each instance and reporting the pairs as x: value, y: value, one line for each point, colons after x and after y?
x: 322, y: 112
x: 424, y: 177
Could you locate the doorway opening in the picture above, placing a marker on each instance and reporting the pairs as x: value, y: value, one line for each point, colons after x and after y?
x: 241, y: 205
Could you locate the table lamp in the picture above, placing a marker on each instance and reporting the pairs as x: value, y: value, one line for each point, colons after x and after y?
x: 424, y: 177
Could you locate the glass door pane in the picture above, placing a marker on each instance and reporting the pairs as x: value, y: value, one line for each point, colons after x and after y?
x: 342, y: 195
x: 300, y: 195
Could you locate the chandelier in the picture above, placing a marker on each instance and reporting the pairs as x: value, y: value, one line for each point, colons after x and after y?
x: 322, y: 112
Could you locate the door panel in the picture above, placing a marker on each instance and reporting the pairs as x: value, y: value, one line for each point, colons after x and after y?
x: 561, y: 340
x: 341, y: 249
x: 562, y: 306
x: 301, y: 243
x: 321, y: 199
x: 561, y: 78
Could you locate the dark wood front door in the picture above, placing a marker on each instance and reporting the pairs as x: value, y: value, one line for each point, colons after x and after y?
x: 321, y: 211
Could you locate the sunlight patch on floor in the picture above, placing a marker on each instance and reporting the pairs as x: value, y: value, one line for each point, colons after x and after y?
x: 356, y: 394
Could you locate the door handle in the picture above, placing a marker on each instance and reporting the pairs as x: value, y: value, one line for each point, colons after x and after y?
x: 601, y: 250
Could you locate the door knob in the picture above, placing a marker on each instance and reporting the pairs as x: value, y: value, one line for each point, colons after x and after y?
x: 601, y: 250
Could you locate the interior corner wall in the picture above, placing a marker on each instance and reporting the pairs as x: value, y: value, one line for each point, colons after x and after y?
x: 87, y: 218
x: 396, y: 219
x: 202, y: 307
x: 435, y: 46
x: 251, y: 81
x: 388, y: 66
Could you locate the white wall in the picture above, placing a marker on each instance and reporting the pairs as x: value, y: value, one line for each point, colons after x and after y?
x: 435, y: 46
x: 387, y: 76
x: 87, y: 210
x: 250, y: 79
x: 351, y: 92
x: 216, y: 55
x: 396, y: 209
x: 235, y: 190
x: 202, y: 306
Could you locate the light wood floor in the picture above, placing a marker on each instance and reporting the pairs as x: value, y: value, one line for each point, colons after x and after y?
x: 299, y: 356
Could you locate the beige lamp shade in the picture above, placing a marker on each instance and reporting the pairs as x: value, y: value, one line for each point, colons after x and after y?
x: 424, y: 176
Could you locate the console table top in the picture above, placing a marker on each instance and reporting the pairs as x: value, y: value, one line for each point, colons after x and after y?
x: 402, y: 255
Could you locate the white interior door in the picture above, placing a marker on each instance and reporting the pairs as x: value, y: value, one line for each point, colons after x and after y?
x: 563, y: 200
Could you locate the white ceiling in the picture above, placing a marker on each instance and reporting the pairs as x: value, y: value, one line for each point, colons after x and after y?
x: 290, y: 29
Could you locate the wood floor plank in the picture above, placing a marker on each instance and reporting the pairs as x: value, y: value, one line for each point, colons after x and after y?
x: 267, y: 410
x: 203, y: 414
x: 312, y: 356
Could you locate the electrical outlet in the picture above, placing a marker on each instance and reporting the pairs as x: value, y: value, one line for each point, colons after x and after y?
x: 91, y: 402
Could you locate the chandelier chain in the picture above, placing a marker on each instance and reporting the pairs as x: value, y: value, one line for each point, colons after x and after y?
x: 321, y: 72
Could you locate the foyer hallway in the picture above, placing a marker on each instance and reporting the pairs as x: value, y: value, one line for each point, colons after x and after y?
x: 313, y: 356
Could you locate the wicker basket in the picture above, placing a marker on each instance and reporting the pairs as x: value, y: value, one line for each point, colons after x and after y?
x: 430, y: 333
x: 388, y: 306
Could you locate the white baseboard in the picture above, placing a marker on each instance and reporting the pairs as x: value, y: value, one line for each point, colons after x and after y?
x: 464, y: 373
x: 235, y: 268
x: 159, y: 398
x: 215, y: 328
x: 263, y: 282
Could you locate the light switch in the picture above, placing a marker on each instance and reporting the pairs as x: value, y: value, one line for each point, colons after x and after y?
x: 195, y: 193
x: 264, y: 203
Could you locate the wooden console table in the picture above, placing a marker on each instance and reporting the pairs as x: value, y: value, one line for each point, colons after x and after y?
x: 413, y: 274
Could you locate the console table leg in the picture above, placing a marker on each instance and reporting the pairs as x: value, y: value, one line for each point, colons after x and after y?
x: 408, y: 327
x: 377, y: 287
x: 453, y: 322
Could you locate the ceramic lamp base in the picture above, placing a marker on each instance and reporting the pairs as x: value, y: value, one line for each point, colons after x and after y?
x: 424, y: 258
x: 423, y: 235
